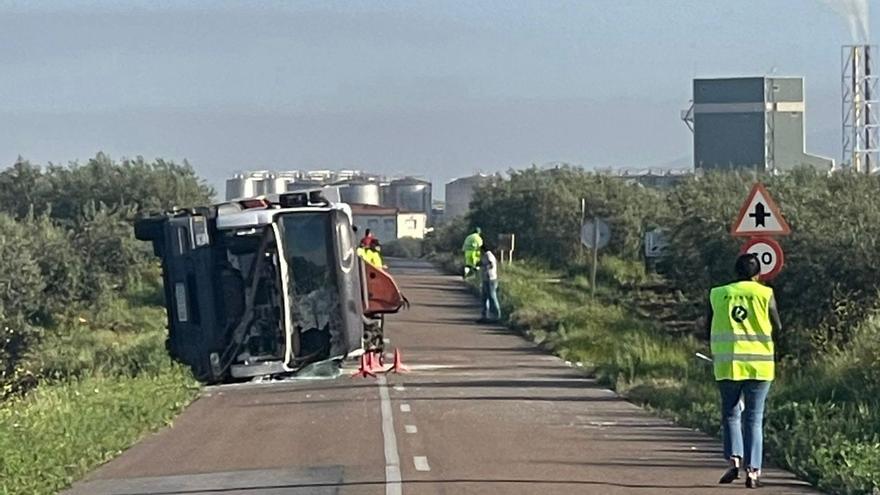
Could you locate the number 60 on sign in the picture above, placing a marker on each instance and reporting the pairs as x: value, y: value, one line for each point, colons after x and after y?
x: 769, y: 253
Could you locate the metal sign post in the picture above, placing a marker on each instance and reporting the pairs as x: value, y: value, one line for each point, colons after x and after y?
x: 506, y: 244
x: 595, y: 235
x: 595, y: 261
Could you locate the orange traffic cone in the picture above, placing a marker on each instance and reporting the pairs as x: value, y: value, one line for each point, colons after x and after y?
x: 398, y: 366
x: 373, y: 363
x: 364, y: 370
x: 378, y: 362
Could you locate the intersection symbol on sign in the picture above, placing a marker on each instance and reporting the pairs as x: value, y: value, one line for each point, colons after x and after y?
x: 759, y: 216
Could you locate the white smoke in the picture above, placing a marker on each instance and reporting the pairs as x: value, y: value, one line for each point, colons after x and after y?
x: 856, y: 14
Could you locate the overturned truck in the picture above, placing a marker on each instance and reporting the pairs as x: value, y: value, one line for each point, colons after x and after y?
x: 267, y: 285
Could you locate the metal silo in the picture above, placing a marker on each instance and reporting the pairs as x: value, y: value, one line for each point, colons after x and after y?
x: 411, y: 195
x: 459, y: 194
x: 235, y: 187
x: 360, y: 192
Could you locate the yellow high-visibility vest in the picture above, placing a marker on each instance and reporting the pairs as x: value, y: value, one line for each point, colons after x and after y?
x: 741, y: 332
x: 472, y: 242
x: 370, y: 256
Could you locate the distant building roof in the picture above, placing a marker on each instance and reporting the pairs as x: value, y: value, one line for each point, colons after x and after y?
x: 361, y: 209
x: 643, y: 172
x: 471, y: 178
x: 408, y: 181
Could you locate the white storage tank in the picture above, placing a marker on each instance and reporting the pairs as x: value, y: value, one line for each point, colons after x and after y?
x: 410, y: 195
x: 360, y: 192
x: 460, y: 193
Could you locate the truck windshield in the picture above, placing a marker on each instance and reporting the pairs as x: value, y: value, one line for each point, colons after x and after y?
x: 314, y: 294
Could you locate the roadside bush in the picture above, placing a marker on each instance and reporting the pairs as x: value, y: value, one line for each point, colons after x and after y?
x: 612, y: 270
x: 83, y: 368
x: 831, y: 278
x: 61, y: 266
x: 66, y: 192
x: 447, y: 238
x: 113, y: 258
x: 67, y: 250
x: 21, y: 280
x: 543, y: 209
x: 405, y: 247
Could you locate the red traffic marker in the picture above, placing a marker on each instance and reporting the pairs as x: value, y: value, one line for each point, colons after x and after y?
x: 769, y: 254
x: 364, y: 370
x: 374, y: 361
x: 398, y: 366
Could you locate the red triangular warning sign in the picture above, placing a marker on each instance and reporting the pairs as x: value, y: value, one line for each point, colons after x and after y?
x: 759, y: 216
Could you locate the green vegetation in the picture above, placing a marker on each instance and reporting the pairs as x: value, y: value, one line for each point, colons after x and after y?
x: 823, y: 418
x: 61, y: 430
x: 405, y: 247
x: 83, y: 367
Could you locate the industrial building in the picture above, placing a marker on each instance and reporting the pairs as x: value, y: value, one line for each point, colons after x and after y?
x: 410, y: 195
x: 406, y: 195
x: 459, y: 194
x: 359, y: 191
x: 754, y: 123
x: 261, y: 182
x: 388, y: 224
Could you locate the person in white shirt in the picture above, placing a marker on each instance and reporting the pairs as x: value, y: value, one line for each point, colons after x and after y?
x: 489, y: 271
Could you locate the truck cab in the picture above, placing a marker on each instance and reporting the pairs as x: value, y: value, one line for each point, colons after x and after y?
x: 263, y: 286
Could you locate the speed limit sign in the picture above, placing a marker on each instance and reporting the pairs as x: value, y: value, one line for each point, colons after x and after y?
x: 769, y: 253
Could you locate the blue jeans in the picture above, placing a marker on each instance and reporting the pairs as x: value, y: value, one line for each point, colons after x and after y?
x: 744, y: 439
x: 490, y: 299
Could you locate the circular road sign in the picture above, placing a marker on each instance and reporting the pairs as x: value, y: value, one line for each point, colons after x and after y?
x: 769, y: 253
x: 588, y: 234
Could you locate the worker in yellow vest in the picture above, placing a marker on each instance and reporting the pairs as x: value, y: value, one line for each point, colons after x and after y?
x: 372, y: 253
x: 471, y: 249
x: 741, y: 321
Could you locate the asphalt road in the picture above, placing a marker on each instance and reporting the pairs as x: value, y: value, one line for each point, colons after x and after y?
x: 480, y: 411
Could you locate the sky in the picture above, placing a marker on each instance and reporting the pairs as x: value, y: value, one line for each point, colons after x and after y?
x: 439, y: 89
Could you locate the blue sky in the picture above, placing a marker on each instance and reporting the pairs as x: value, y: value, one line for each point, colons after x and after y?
x: 439, y: 89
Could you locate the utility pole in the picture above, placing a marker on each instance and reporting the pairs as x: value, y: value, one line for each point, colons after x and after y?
x: 581, y: 226
x: 595, y: 257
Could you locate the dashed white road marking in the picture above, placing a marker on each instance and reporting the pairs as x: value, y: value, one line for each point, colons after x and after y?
x: 399, y: 388
x: 393, y: 484
x: 386, y: 340
x: 404, y: 408
x: 421, y: 463
x: 411, y: 428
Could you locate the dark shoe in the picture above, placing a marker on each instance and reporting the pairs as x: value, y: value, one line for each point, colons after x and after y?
x: 753, y: 482
x: 729, y: 475
x: 482, y: 320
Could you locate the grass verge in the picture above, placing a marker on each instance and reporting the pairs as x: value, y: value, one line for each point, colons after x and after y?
x: 823, y: 420
x: 104, y: 380
x: 60, y: 431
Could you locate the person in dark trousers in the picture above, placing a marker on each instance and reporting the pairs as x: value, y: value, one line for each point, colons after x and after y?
x: 741, y: 321
x: 489, y: 272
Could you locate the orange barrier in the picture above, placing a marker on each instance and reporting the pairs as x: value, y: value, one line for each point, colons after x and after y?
x: 365, y: 369
x: 398, y: 366
x: 383, y: 294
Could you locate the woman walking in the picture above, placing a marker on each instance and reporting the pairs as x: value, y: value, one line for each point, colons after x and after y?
x: 741, y: 320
